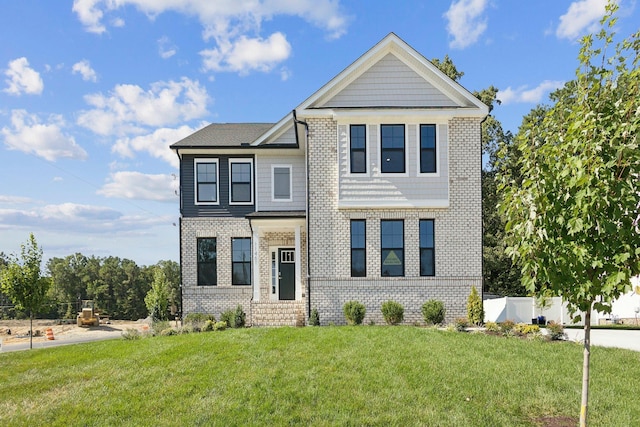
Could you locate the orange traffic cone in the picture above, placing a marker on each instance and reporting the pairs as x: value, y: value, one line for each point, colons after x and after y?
x: 50, y: 334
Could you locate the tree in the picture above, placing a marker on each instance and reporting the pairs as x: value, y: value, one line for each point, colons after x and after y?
x: 22, y: 282
x: 572, y: 211
x: 157, y: 299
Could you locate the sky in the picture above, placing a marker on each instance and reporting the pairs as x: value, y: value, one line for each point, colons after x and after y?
x: 93, y: 92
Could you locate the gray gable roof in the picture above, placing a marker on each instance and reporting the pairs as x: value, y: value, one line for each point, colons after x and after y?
x: 224, y: 135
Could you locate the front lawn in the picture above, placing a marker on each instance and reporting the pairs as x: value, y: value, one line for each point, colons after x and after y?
x: 324, y: 376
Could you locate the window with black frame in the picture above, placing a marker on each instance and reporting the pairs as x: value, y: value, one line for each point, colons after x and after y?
x: 241, y: 182
x: 241, y: 261
x: 358, y: 149
x: 207, y: 181
x: 207, y: 262
x: 392, y: 149
x: 358, y: 248
x: 427, y: 248
x: 428, y: 149
x: 392, y: 247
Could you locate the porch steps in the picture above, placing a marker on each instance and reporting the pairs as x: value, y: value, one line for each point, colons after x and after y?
x: 277, y: 313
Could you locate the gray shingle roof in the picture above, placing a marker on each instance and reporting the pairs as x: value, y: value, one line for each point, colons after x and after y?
x: 224, y: 135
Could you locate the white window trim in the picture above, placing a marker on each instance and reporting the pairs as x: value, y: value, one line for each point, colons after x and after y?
x: 195, y: 174
x: 406, y: 151
x: 273, y: 183
x: 251, y: 190
x: 367, y: 152
x: 435, y: 174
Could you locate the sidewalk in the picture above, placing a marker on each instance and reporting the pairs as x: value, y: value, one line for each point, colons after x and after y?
x: 608, y: 338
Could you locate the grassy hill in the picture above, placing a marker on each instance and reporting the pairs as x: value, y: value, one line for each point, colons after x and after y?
x: 366, y: 375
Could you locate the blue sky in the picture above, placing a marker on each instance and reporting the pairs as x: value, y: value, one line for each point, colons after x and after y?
x: 92, y: 92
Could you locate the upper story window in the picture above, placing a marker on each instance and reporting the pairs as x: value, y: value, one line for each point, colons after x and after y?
x: 241, y: 181
x: 207, y: 262
x: 206, y: 181
x: 392, y: 247
x: 281, y: 179
x: 428, y: 149
x: 358, y: 149
x: 392, y: 149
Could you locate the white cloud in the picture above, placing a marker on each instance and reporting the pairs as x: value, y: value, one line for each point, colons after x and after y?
x: 22, y: 78
x: 466, y: 22
x: 45, y: 140
x: 14, y: 200
x: 247, y: 54
x: 582, y: 16
x: 130, y: 109
x: 531, y: 96
x: 229, y: 22
x: 140, y: 186
x: 166, y: 49
x: 156, y: 144
x: 84, y: 69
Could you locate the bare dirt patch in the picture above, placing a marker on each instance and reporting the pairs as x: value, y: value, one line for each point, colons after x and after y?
x: 13, y: 331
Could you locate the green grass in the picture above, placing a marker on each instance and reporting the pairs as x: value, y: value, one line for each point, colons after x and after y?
x: 391, y: 376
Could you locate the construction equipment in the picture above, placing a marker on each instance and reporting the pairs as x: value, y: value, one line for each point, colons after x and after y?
x: 89, y: 316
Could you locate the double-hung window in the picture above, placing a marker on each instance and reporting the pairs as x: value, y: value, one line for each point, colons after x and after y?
x: 281, y: 178
x: 428, y: 149
x: 392, y: 149
x: 392, y: 247
x: 358, y: 149
x: 207, y: 262
x: 241, y: 261
x: 241, y: 181
x: 358, y: 248
x: 427, y: 248
x: 206, y: 181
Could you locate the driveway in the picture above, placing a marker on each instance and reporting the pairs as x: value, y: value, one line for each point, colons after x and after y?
x: 608, y: 338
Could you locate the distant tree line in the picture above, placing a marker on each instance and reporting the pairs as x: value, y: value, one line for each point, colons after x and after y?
x: 118, y: 286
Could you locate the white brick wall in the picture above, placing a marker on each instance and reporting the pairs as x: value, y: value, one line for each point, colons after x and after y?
x: 458, y: 234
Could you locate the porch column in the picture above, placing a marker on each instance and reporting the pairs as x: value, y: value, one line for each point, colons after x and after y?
x: 298, y: 265
x: 255, y: 264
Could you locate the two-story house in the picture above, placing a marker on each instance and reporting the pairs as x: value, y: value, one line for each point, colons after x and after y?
x: 368, y: 190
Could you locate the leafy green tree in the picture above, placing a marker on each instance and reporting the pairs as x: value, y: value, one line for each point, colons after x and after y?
x: 572, y: 209
x: 157, y: 299
x: 22, y: 282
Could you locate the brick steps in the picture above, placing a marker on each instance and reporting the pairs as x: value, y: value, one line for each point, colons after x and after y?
x: 277, y: 313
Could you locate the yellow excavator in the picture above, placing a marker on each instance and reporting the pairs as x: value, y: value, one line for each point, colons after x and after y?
x: 89, y: 316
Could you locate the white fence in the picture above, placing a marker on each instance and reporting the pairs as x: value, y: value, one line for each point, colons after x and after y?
x: 524, y: 310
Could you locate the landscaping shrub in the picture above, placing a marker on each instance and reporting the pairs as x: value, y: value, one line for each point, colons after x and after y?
x: 393, y: 312
x: 354, y: 312
x: 234, y: 318
x: 220, y: 326
x: 433, y: 312
x: 167, y: 332
x: 526, y: 329
x: 492, y: 327
x: 208, y: 326
x: 475, y: 312
x: 131, y: 334
x: 314, y: 318
x: 555, y: 331
x: 158, y: 326
x: 507, y: 326
x: 461, y: 324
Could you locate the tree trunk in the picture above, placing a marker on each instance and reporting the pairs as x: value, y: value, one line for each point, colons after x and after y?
x: 585, y: 368
x: 30, y: 329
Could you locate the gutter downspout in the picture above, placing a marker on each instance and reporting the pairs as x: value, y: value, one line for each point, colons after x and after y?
x: 306, y: 158
x: 180, y: 237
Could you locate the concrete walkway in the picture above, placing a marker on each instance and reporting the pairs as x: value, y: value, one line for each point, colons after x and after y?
x: 608, y: 338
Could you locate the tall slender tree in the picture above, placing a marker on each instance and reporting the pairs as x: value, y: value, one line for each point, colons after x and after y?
x: 22, y: 282
x: 573, y: 206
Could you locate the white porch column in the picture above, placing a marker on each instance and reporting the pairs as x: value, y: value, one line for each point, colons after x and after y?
x: 255, y: 264
x: 298, y: 294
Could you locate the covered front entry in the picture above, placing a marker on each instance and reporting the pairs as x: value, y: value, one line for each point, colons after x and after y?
x: 278, y: 277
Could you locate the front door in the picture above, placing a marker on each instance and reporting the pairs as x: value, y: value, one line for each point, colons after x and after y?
x: 287, y: 274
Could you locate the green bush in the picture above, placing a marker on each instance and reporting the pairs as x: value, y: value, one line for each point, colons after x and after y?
x: 461, y: 324
x: 526, y: 329
x: 234, y: 318
x: 208, y: 326
x: 167, y: 332
x: 393, y: 312
x: 507, y: 326
x: 131, y: 334
x: 314, y: 318
x: 433, y: 312
x: 354, y: 312
x: 220, y: 326
x: 555, y: 331
x: 492, y: 327
x: 475, y: 312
